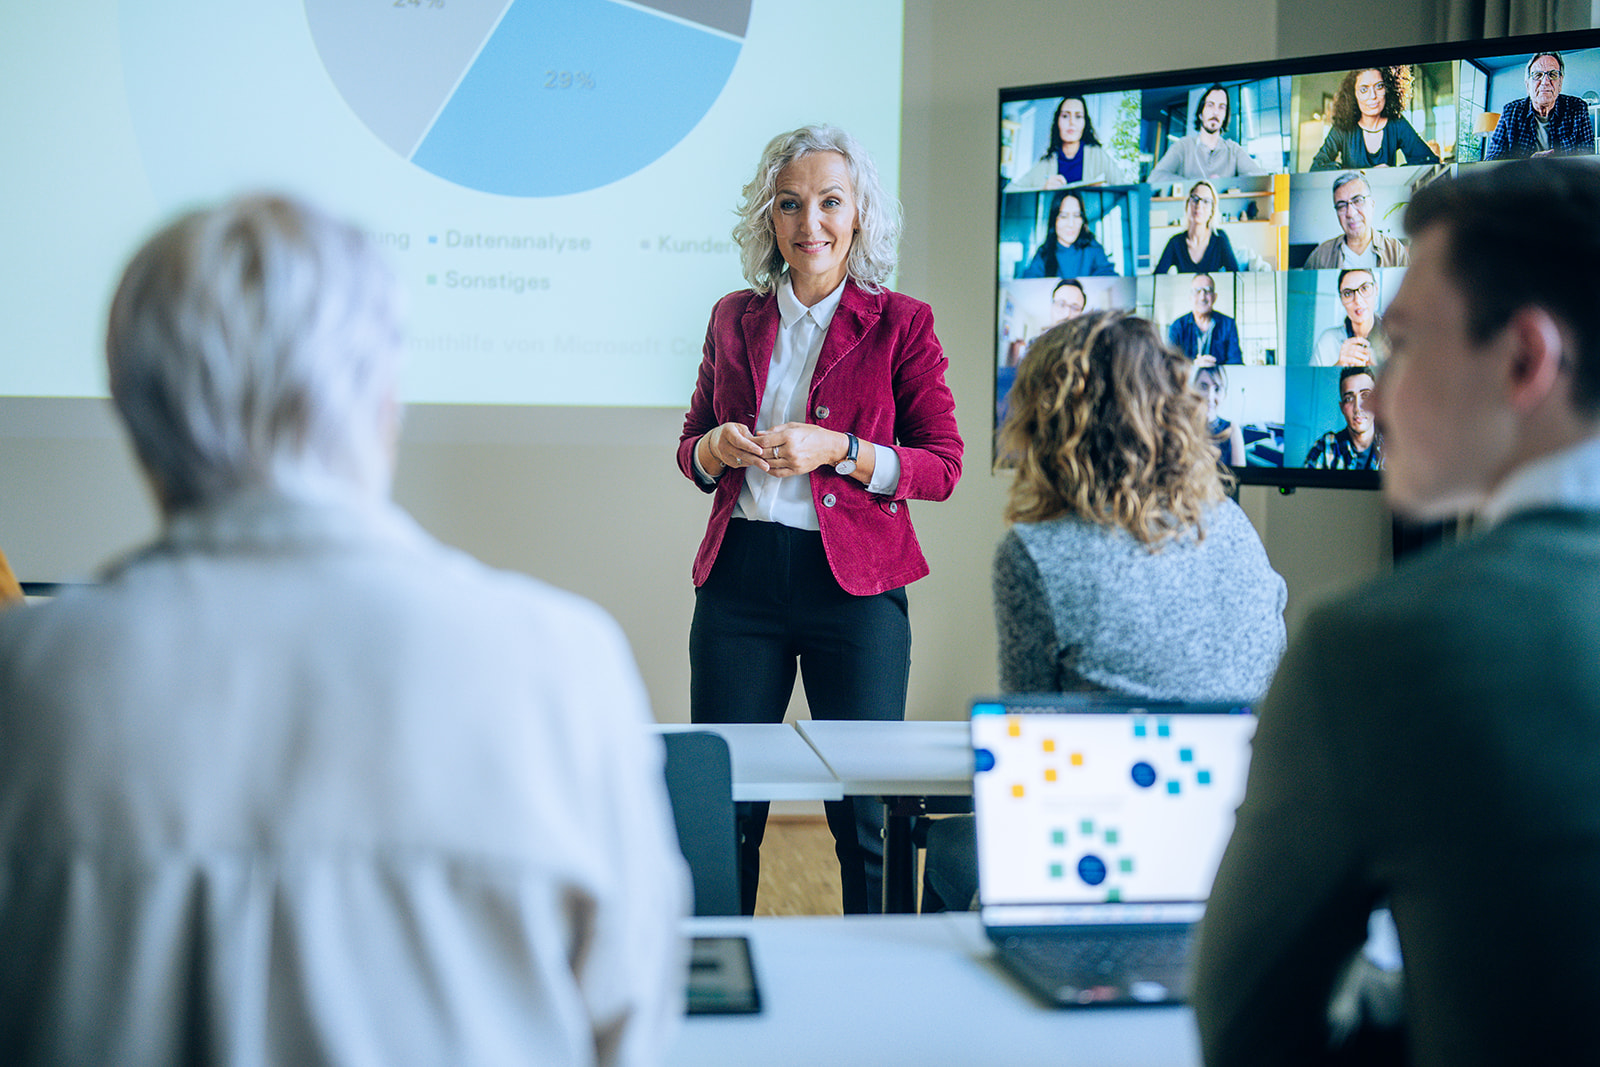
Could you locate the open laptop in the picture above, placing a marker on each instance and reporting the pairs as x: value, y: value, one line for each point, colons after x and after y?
x: 1100, y: 825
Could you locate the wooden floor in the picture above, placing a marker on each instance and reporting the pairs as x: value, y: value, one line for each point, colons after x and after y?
x: 799, y: 872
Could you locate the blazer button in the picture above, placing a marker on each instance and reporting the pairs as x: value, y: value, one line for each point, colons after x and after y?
x: 894, y: 507
x: 829, y: 501
x: 822, y: 411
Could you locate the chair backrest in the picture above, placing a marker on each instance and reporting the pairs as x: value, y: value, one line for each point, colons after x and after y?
x: 700, y: 782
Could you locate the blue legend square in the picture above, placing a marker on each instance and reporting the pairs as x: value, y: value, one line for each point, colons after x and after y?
x: 1203, y: 777
x: 1111, y: 837
x: 1185, y: 755
x: 1125, y: 865
x: 1173, y: 788
x: 1056, y: 870
x: 1058, y: 837
x: 1163, y: 728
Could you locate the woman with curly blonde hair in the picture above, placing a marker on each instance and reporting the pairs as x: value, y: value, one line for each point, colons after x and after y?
x: 1368, y: 124
x: 819, y: 413
x: 1127, y: 567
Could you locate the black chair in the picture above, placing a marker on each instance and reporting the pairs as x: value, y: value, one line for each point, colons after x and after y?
x: 700, y: 782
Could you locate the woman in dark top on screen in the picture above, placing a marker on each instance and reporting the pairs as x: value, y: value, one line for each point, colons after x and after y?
x: 1201, y: 248
x: 1369, y: 126
x: 1070, y: 248
x: 1075, y: 155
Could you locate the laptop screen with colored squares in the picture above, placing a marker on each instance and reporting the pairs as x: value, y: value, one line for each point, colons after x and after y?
x: 1100, y: 824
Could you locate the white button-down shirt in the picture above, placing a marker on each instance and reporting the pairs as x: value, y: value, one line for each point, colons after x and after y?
x: 801, y: 331
x: 1569, y: 478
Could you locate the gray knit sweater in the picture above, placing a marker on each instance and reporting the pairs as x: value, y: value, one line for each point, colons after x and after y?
x: 1084, y: 606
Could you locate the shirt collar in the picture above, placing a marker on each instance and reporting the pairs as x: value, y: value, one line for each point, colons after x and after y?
x: 1568, y: 478
x: 791, y: 310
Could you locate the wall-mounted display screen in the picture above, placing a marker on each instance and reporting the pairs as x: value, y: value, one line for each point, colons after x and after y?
x: 1254, y: 213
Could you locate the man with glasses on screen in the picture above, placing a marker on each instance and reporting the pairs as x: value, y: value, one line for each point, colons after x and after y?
x: 1205, y: 335
x: 1358, y: 341
x: 1206, y: 153
x: 1547, y: 121
x: 1430, y: 737
x: 1358, y: 244
x: 1067, y: 300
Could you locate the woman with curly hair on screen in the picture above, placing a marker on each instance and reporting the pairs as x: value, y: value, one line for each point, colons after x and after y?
x: 1368, y: 123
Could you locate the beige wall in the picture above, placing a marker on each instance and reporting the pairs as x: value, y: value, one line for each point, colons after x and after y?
x: 537, y: 490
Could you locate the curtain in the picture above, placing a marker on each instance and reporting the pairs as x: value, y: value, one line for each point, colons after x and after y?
x: 1470, y: 20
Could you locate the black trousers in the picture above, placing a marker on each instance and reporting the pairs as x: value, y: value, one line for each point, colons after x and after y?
x: 770, y: 605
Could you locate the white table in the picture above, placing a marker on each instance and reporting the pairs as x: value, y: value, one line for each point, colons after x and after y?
x: 916, y: 757
x: 770, y: 761
x: 904, y: 763
x: 922, y: 990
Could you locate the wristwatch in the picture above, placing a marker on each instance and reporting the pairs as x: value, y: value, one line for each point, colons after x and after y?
x: 848, y: 464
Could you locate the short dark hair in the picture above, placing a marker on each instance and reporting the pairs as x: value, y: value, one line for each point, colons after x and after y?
x: 1503, y: 221
x: 1070, y: 283
x: 1346, y: 373
x: 1227, y: 102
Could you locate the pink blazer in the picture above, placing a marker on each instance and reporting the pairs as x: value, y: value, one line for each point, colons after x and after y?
x: 880, y: 375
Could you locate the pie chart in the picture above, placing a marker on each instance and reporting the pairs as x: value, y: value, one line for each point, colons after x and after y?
x: 529, y: 98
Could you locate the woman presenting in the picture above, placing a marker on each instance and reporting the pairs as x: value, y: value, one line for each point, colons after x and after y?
x: 820, y: 410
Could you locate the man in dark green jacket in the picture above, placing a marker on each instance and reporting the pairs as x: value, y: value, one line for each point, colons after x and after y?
x: 1432, y: 740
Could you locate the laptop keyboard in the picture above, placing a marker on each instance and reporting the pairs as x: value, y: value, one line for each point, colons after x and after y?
x: 1096, y: 954
x: 1090, y: 967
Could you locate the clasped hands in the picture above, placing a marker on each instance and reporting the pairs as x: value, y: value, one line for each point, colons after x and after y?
x: 1356, y: 352
x: 783, y: 451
